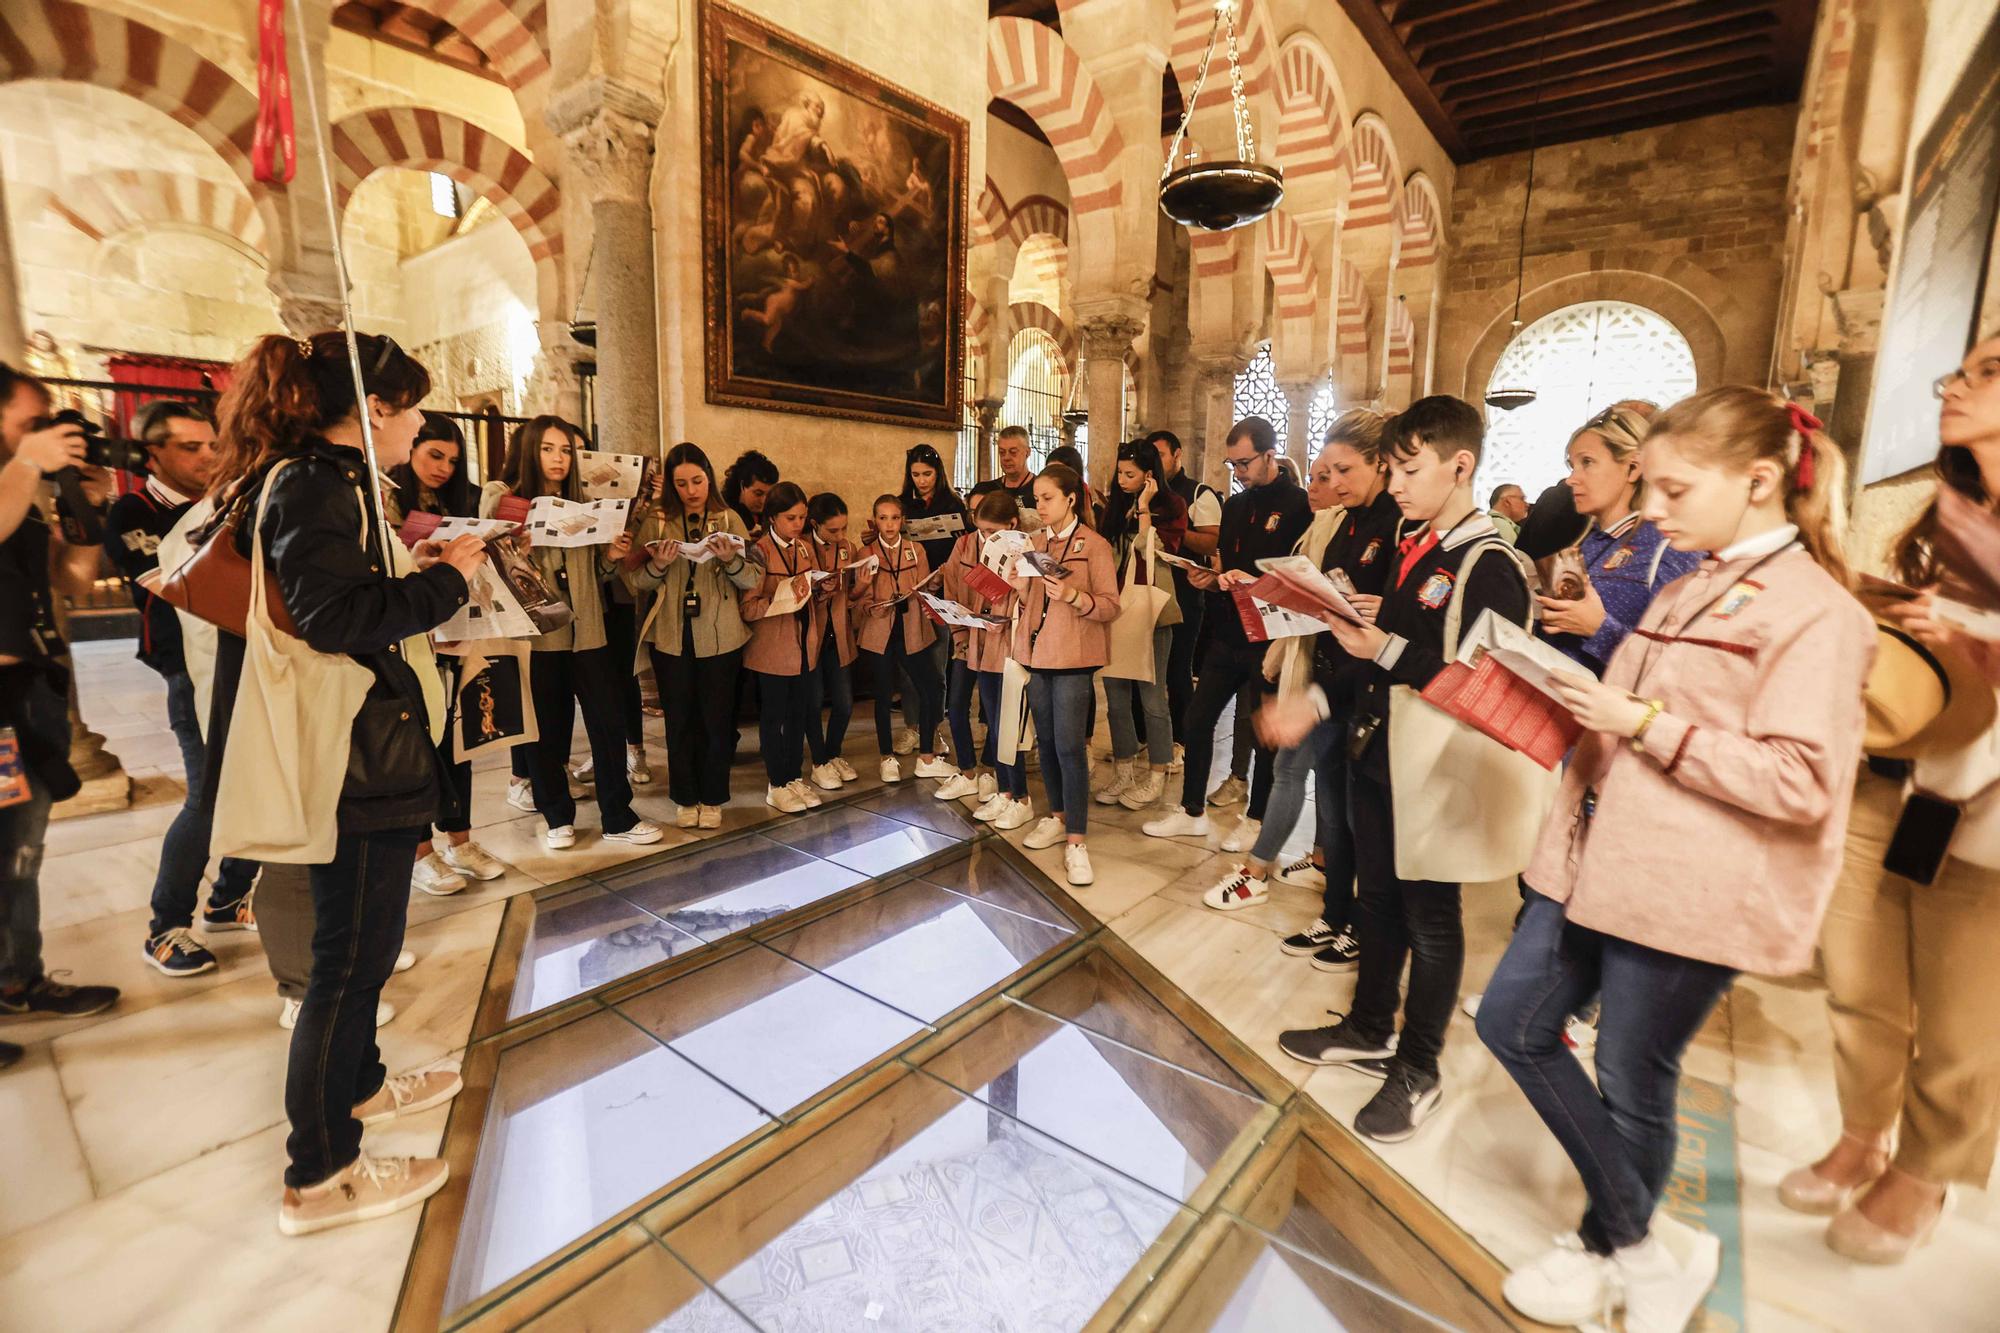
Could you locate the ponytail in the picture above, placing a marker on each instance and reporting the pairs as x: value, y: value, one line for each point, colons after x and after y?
x: 1817, y: 505
x: 286, y: 391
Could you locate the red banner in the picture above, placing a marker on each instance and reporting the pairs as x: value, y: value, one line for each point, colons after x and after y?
x: 274, y: 150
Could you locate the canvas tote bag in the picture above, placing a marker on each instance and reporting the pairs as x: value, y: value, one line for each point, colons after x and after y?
x: 1016, y: 737
x: 286, y: 758
x: 1139, y: 607
x: 1468, y: 809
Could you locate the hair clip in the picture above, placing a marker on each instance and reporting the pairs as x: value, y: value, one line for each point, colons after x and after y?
x: 305, y: 347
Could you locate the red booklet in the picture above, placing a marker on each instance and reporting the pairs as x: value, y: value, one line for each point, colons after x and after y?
x: 1264, y: 621
x: 986, y: 583
x: 1501, y: 705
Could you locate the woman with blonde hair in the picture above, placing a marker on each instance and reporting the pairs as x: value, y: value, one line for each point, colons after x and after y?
x: 1696, y: 835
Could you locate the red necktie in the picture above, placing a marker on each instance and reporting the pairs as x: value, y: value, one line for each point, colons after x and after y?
x: 1412, y: 549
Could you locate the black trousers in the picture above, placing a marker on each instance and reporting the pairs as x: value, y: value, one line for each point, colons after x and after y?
x: 923, y: 676
x: 458, y: 817
x: 1181, y: 656
x: 360, y: 903
x: 621, y: 632
x: 696, y: 694
x: 1225, y: 668
x: 562, y: 682
x: 1398, y: 919
x: 787, y: 704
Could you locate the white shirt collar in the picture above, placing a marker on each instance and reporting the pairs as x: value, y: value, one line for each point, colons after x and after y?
x: 1764, y: 543
x: 1478, y: 523
x: 781, y: 543
x: 161, y: 491
x: 1063, y: 536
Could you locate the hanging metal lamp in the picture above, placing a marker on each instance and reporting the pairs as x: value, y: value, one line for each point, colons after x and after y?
x: 1508, y: 397
x: 1220, y: 195
x: 1074, y: 414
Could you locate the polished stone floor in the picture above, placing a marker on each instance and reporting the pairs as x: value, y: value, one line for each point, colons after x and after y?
x: 138, y: 1173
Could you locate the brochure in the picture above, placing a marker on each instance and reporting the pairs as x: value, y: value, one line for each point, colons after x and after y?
x: 1296, y: 583
x: 935, y: 527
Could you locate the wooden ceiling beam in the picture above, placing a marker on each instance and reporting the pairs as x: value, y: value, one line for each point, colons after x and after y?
x: 1367, y: 15
x: 1406, y: 14
x: 1749, y: 19
x: 1560, y: 19
x: 1497, y: 146
x: 1629, y: 80
x: 1722, y: 93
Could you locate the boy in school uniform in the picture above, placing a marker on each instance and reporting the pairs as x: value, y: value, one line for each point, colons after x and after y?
x: 1451, y: 550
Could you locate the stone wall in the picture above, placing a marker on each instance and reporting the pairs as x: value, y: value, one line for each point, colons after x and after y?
x: 1687, y: 219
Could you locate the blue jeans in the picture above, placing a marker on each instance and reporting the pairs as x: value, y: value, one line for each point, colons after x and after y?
x: 1013, y: 778
x: 184, y: 850
x: 1152, y: 701
x: 1323, y: 754
x: 1060, y: 702
x: 1620, y: 1132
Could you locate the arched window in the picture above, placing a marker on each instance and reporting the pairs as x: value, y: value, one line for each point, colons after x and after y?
x: 1319, y: 416
x: 1579, y: 360
x: 1037, y: 379
x: 1257, y: 394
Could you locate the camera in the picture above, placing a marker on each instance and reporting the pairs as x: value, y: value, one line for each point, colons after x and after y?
x: 99, y: 449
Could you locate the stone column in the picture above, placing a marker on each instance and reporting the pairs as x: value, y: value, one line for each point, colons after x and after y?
x: 306, y: 304
x: 985, y: 465
x: 1106, y: 340
x: 1216, y: 389
x: 13, y: 320
x: 555, y: 386
x: 304, y: 277
x: 1298, y: 421
x: 607, y: 131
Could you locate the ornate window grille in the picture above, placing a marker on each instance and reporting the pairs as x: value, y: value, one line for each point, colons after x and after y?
x: 1319, y: 416
x: 1258, y: 395
x: 1579, y: 360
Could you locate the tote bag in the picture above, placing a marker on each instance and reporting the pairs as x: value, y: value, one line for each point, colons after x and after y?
x: 286, y: 758
x: 1016, y: 736
x: 1139, y: 608
x: 1468, y: 809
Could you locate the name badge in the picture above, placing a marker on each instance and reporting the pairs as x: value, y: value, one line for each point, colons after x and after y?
x: 1271, y: 523
x: 1735, y: 600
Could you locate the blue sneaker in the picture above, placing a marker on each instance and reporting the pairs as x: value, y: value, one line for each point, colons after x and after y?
x: 239, y: 915
x: 178, y: 953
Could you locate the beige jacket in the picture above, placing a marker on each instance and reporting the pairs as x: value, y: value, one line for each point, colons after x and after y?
x: 898, y: 572
x: 1722, y: 839
x: 787, y: 644
x: 719, y: 627
x: 1058, y: 636
x: 980, y: 649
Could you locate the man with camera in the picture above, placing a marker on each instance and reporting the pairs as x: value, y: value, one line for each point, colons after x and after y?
x: 35, y: 563
x: 179, y: 441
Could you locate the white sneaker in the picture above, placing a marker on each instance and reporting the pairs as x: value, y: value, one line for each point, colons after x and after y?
x: 1178, y: 824
x: 1238, y: 888
x: 1121, y: 782
x: 585, y: 772
x: 826, y: 777
x: 404, y: 961
x: 1568, y: 1285
x: 1469, y: 1006
x: 799, y: 788
x: 1230, y: 791
x: 469, y: 858
x: 1667, y: 1276
x: 434, y: 877
x: 710, y: 816
x: 935, y: 767
x: 846, y: 770
x: 687, y: 816
x: 1015, y: 815
x: 989, y: 785
x: 1302, y: 873
x: 1076, y: 865
x: 783, y: 799
x: 1144, y: 791
x: 1244, y: 836
x: 288, y: 1017
x: 521, y: 796
x: 1582, y: 1036
x: 906, y: 741
x: 1045, y: 834
x: 642, y: 834
x: 992, y: 807
x: 561, y: 836
x: 891, y: 770
x: 955, y: 788
x: 1179, y: 763
x: 637, y: 771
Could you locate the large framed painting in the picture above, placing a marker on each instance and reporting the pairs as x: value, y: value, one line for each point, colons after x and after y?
x: 834, y: 232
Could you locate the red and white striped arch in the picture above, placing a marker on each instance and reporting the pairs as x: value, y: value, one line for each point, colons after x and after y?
x: 1028, y: 64
x: 1402, y: 335
x: 1040, y: 271
x: 427, y: 140
x: 106, y: 203
x: 1351, y: 323
x: 509, y: 35
x: 55, y: 39
x: 978, y: 321
x: 1255, y: 47
x: 1294, y: 275
x: 989, y: 215
x: 1211, y: 254
x: 1423, y: 228
x: 1312, y: 114
x: 1377, y: 188
x: 1035, y: 315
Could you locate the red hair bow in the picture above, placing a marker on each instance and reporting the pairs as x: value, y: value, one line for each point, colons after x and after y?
x: 1805, y: 423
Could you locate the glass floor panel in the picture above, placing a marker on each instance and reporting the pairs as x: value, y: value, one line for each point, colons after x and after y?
x: 775, y: 1032
x: 1160, y: 1125
x: 635, y: 1292
x: 922, y: 1210
x: 919, y: 948
x: 1278, y: 1287
x: 984, y: 874
x: 582, y: 1122
x: 861, y: 839
x: 913, y: 803
x: 585, y: 938
x: 735, y: 886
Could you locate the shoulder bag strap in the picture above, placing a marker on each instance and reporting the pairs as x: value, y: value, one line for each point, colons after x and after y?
x: 1455, y: 609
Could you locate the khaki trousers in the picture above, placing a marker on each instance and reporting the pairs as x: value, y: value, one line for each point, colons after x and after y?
x: 1913, y: 981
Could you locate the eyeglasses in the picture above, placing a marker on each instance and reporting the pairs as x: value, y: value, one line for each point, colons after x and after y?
x: 1979, y: 377
x: 1245, y: 464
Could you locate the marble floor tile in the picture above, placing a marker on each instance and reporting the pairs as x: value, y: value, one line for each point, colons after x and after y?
x: 42, y: 1170
x: 520, y: 843
x: 84, y: 884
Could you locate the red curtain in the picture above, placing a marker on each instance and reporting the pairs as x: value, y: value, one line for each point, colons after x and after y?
x: 162, y: 376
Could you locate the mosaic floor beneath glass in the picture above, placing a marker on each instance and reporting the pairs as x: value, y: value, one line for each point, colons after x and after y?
x: 869, y: 1069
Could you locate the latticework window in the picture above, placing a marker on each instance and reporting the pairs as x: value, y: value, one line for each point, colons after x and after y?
x: 1257, y: 394
x: 1319, y: 416
x: 1579, y: 360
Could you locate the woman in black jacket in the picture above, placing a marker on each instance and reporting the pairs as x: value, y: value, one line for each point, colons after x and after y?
x: 320, y: 521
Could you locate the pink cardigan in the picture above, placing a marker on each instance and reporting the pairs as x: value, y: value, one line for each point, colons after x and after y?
x: 980, y: 649
x: 774, y: 646
x: 894, y: 576
x: 1056, y: 636
x: 1723, y: 839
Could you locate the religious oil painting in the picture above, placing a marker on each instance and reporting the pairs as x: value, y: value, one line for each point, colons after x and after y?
x: 833, y: 231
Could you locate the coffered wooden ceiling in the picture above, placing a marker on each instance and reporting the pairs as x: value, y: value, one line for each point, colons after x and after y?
x: 414, y: 30
x: 1470, y: 67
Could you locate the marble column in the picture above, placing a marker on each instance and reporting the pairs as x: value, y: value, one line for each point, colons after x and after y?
x: 1298, y: 421
x: 1216, y: 388
x: 13, y: 320
x: 985, y: 466
x: 1106, y: 341
x: 608, y: 131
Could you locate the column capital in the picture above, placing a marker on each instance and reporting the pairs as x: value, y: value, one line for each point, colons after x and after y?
x: 607, y: 130
x: 1299, y: 391
x: 554, y: 385
x: 1108, y: 337
x: 306, y: 305
x: 988, y: 410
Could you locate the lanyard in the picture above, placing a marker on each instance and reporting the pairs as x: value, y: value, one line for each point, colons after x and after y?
x: 1076, y: 531
x: 1655, y: 646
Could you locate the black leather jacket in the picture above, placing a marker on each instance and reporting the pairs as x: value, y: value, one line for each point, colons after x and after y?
x: 344, y: 601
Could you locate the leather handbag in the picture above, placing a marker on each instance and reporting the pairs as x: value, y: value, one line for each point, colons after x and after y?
x: 213, y: 583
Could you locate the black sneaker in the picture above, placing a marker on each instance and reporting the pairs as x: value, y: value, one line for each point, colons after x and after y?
x: 239, y: 915
x: 178, y: 953
x: 10, y: 1054
x: 1336, y: 1045
x: 57, y: 1000
x: 1341, y: 954
x: 1310, y: 940
x: 1396, y: 1112
x: 1303, y: 873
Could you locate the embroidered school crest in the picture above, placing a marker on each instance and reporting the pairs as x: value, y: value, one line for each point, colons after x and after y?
x: 1271, y: 523
x: 1619, y: 558
x: 1371, y: 550
x: 1435, y: 592
x: 1735, y: 600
